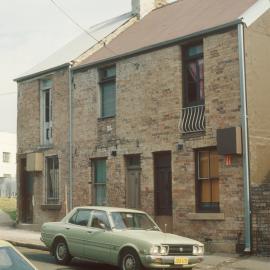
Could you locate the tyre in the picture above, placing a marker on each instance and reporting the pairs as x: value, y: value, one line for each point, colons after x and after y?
x: 130, y: 260
x: 61, y: 252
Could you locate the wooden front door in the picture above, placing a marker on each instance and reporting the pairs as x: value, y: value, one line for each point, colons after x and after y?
x: 163, y: 190
x: 133, y: 181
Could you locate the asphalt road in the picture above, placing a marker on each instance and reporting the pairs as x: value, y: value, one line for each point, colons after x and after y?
x: 44, y: 261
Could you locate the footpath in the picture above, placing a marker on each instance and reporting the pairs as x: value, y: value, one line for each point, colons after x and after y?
x: 214, y: 261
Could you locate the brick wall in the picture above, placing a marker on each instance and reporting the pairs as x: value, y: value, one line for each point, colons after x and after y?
x: 149, y: 98
x: 29, y: 133
x: 261, y: 218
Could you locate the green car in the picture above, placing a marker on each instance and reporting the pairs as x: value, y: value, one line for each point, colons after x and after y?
x: 122, y: 237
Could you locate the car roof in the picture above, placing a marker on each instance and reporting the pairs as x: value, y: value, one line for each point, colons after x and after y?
x: 110, y: 209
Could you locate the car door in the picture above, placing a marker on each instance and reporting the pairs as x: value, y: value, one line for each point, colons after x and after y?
x: 75, y: 230
x: 98, y: 238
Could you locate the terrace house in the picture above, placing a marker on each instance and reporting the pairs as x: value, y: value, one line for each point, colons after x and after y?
x: 172, y: 119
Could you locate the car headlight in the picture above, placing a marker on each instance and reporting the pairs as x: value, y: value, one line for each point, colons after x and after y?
x: 159, y: 250
x: 198, y: 250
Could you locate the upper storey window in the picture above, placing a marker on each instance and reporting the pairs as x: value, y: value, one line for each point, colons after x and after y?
x: 46, y: 110
x: 107, y: 91
x: 193, y: 74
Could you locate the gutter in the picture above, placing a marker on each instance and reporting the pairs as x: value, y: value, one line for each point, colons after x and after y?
x: 40, y: 73
x: 160, y: 45
x: 244, y: 122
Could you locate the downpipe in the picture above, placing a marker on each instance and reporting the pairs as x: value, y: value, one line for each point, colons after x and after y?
x: 244, y: 122
x: 70, y: 141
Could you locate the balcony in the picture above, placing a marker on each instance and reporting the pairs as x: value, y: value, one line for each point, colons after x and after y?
x: 193, y: 119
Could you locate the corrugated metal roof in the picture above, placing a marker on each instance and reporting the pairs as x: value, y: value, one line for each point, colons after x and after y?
x: 78, y: 46
x: 170, y: 22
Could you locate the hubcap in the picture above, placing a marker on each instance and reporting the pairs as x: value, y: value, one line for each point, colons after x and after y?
x: 129, y: 262
x: 61, y: 251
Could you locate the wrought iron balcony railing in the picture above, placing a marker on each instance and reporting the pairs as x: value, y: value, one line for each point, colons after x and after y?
x: 193, y: 119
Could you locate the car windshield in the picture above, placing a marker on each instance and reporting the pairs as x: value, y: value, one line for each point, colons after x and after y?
x: 132, y: 221
x: 10, y: 260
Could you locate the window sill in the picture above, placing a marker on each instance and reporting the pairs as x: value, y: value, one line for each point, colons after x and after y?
x: 45, y: 146
x: 105, y: 118
x: 51, y: 206
x: 206, y: 216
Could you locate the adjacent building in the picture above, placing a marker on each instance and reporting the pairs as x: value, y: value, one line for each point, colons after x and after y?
x: 8, y: 148
x: 169, y: 117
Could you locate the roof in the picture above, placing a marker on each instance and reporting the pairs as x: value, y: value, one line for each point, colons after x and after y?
x: 177, y: 20
x: 78, y: 46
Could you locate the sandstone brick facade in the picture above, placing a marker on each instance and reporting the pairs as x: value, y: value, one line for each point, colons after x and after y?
x: 148, y: 107
x: 149, y: 102
x: 29, y: 141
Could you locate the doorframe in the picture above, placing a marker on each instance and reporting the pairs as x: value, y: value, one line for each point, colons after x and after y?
x: 132, y: 167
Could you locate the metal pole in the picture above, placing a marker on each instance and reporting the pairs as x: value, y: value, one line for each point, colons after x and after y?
x: 244, y: 120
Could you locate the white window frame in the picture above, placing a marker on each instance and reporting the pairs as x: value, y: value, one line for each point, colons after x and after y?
x: 46, y: 124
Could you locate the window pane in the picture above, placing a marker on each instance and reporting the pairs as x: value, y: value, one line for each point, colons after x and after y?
x: 100, y: 194
x: 83, y: 217
x: 108, y: 99
x: 47, y: 105
x: 100, y: 173
x: 110, y: 72
x: 195, y: 50
x: 213, y: 164
x: 100, y: 220
x: 205, y: 191
x: 204, y: 164
x: 215, y: 190
x: 52, y: 177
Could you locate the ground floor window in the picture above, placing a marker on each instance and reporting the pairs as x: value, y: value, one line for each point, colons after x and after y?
x: 52, y: 180
x: 99, y: 192
x: 207, y: 180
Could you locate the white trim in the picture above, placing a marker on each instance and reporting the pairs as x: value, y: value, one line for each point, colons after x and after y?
x: 255, y: 11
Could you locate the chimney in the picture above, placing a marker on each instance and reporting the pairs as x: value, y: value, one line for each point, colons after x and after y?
x: 140, y: 8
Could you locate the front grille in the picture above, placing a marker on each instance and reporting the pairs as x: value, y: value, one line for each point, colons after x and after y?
x: 180, y: 249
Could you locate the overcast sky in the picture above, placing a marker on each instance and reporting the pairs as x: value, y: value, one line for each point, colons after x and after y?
x: 31, y: 30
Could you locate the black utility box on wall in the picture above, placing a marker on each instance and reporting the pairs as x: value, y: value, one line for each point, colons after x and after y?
x: 229, y: 141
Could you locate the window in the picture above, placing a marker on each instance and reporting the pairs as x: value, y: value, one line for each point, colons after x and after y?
x: 107, y: 91
x: 6, y: 157
x: 207, y: 182
x: 193, y: 75
x: 46, y: 109
x: 100, y: 182
x: 52, y: 180
x: 81, y: 217
x: 100, y: 220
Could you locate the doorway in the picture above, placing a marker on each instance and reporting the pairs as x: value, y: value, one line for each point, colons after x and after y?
x: 133, y: 165
x: 163, y: 190
x: 26, y: 190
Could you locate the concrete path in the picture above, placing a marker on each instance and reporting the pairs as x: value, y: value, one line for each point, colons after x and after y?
x: 5, y: 219
x: 22, y: 238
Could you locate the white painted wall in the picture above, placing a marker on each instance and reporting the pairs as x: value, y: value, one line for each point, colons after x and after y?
x: 8, y: 144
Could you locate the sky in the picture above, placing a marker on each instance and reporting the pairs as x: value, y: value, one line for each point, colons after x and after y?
x: 31, y: 30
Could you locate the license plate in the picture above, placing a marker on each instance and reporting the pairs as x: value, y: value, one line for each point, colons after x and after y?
x: 180, y: 260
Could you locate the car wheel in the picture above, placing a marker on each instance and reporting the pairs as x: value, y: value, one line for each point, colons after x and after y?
x: 61, y: 252
x: 130, y: 260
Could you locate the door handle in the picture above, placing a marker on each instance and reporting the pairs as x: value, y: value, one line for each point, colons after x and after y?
x: 89, y: 231
x: 67, y: 228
